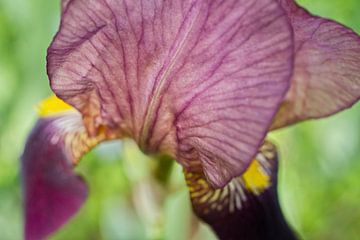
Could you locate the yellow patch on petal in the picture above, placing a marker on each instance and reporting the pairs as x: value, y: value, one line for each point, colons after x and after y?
x: 52, y: 106
x: 255, y: 178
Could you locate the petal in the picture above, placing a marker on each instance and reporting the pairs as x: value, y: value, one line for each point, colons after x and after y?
x: 327, y: 68
x: 64, y: 4
x: 248, y: 206
x: 52, y: 191
x: 199, y: 80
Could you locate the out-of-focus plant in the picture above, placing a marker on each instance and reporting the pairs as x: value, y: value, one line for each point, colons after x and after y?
x: 201, y: 82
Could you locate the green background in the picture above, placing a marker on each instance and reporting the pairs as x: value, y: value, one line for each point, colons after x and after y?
x: 320, y: 160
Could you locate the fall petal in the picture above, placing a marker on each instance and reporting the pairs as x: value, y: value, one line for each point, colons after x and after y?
x: 247, y: 207
x: 197, y: 79
x: 327, y: 68
x: 52, y: 191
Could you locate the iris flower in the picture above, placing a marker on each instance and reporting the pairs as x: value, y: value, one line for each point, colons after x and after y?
x: 201, y: 81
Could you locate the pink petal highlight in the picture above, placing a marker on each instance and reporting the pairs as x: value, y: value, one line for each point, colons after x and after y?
x: 327, y: 68
x: 197, y: 79
x: 53, y: 193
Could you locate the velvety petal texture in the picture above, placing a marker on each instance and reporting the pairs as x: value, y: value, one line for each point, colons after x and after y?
x: 327, y: 68
x: 199, y: 80
x: 52, y: 191
x: 247, y: 207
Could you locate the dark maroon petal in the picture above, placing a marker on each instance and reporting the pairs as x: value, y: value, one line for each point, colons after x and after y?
x: 52, y: 191
x: 247, y: 207
x: 327, y: 68
x: 199, y: 80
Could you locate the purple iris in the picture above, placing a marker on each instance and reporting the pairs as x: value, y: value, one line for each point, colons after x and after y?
x: 201, y: 81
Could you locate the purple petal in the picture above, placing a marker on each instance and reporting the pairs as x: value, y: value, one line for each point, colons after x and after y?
x: 64, y: 4
x: 199, y: 80
x: 248, y: 206
x: 53, y: 193
x: 327, y: 68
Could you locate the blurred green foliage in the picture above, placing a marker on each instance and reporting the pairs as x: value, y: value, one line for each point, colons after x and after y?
x: 320, y: 160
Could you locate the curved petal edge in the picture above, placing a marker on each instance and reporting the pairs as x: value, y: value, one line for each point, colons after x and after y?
x: 200, y: 80
x: 52, y: 191
x: 327, y: 68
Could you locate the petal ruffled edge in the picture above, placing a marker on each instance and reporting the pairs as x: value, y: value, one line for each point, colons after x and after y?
x: 327, y: 68
x: 205, y: 77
